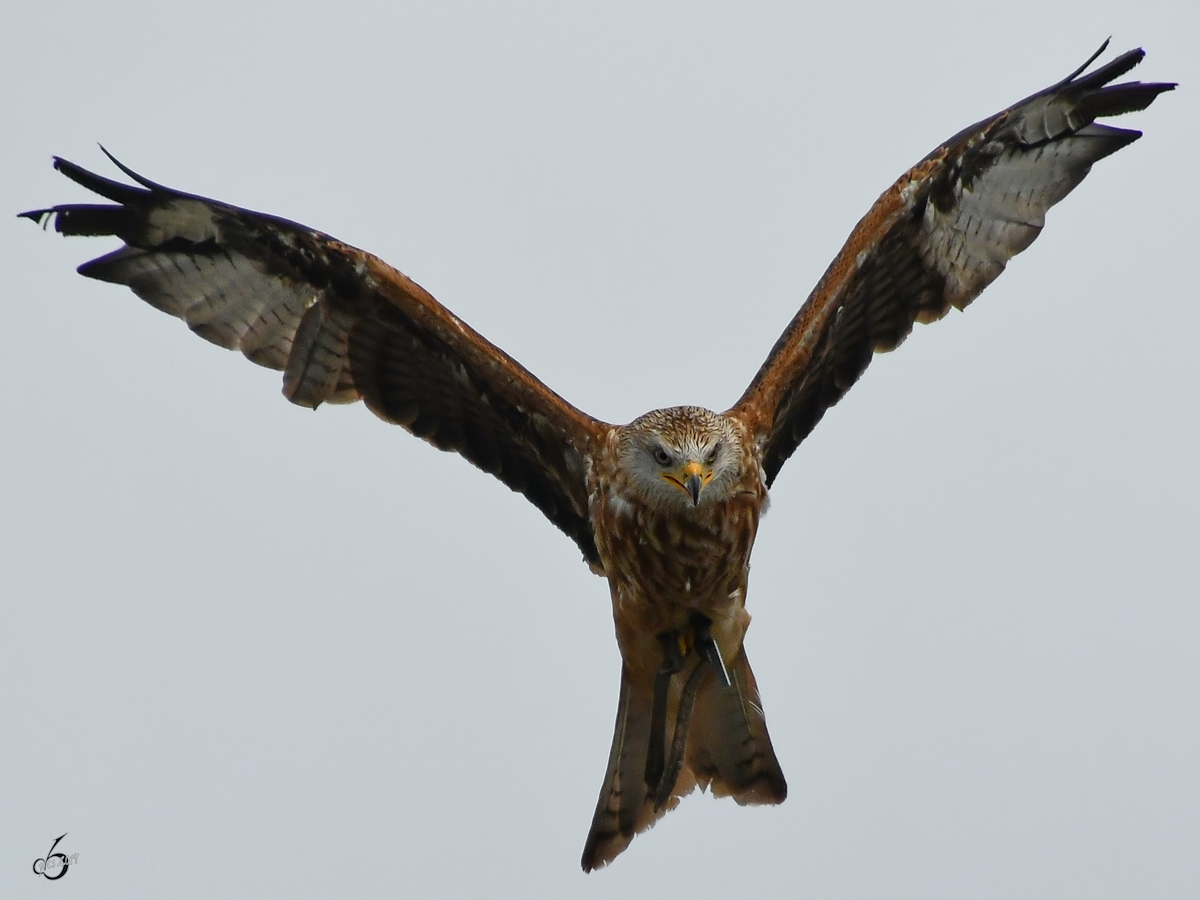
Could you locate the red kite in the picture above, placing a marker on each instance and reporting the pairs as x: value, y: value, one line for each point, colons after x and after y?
x: 666, y: 507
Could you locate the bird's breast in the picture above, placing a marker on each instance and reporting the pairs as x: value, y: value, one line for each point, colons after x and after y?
x: 665, y: 564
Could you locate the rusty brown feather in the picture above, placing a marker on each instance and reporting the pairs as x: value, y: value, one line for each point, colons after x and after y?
x: 667, y: 507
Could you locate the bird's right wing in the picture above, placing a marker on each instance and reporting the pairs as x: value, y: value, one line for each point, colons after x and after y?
x: 342, y: 325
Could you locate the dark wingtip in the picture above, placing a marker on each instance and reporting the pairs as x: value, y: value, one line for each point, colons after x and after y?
x: 140, y: 179
x: 1118, y: 99
x: 38, y: 216
x: 43, y: 217
x: 1109, y: 71
x: 105, y: 187
x: 1091, y: 59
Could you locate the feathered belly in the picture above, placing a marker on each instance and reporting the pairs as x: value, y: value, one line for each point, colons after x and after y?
x: 664, y: 568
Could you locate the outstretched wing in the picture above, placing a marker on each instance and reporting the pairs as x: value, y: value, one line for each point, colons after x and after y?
x: 941, y: 234
x: 342, y: 325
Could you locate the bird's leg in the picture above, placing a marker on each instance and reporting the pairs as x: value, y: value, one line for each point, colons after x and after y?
x: 683, y: 717
x: 677, y: 649
x: 672, y: 662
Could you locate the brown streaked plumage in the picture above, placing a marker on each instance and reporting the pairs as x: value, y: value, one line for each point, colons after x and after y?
x: 669, y: 557
x: 667, y: 507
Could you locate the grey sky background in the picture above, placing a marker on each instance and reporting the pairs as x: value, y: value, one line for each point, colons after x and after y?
x: 251, y: 651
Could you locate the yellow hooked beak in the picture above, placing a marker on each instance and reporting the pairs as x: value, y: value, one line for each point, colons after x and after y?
x: 691, y: 479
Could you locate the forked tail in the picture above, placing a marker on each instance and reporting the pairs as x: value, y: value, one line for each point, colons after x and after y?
x: 725, y: 747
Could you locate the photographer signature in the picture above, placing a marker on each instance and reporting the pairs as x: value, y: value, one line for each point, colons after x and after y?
x: 53, y: 861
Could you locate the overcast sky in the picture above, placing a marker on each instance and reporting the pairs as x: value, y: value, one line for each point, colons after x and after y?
x: 252, y: 651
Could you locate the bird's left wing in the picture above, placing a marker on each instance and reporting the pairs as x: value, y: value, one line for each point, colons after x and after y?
x: 342, y: 325
x: 935, y: 239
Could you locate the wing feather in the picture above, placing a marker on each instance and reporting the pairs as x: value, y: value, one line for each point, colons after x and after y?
x: 935, y: 239
x: 341, y: 325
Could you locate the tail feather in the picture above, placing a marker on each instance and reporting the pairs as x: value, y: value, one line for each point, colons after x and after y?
x: 626, y: 806
x: 728, y: 749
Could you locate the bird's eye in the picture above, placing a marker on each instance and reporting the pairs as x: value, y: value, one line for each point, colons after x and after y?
x: 712, y: 456
x: 662, y: 457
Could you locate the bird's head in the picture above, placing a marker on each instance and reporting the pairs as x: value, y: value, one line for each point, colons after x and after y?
x: 685, y: 455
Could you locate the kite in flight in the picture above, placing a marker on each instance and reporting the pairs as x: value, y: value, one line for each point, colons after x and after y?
x: 666, y: 507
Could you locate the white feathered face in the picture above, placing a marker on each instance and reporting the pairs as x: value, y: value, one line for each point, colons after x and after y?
x: 684, y: 456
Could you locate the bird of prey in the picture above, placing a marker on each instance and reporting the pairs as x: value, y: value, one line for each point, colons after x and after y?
x: 665, y: 507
